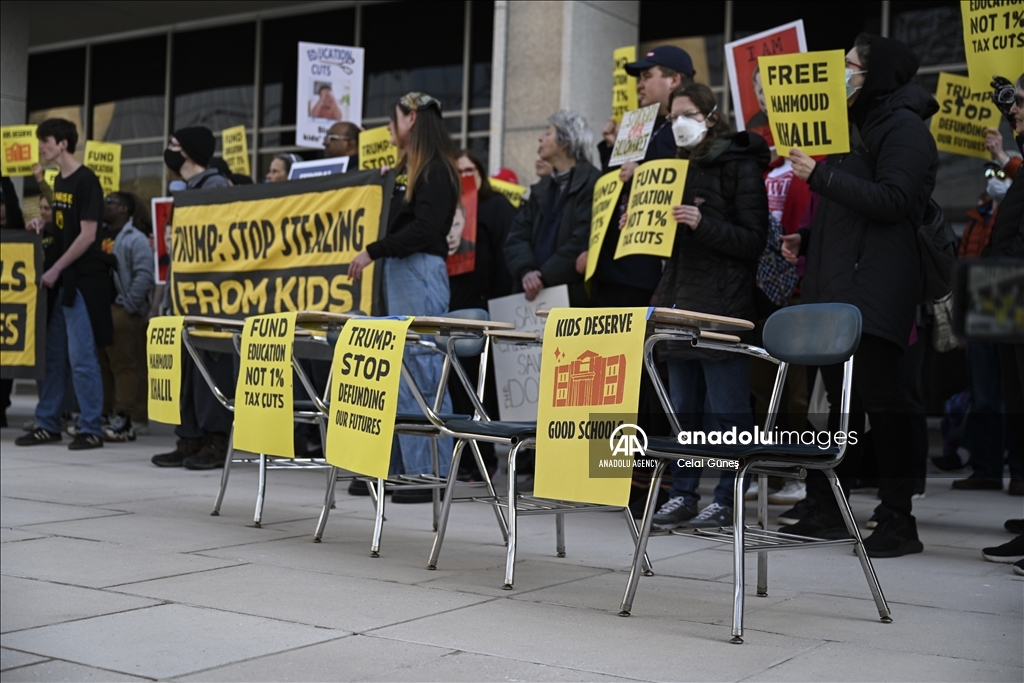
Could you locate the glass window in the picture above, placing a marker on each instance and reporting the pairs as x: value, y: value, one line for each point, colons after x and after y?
x: 212, y: 77
x: 127, y: 89
x: 934, y: 30
x: 699, y: 33
x: 481, y: 148
x: 481, y: 51
x: 144, y: 180
x: 828, y: 26
x: 56, y: 86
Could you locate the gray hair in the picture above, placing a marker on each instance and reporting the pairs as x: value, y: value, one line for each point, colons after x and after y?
x: 573, y: 131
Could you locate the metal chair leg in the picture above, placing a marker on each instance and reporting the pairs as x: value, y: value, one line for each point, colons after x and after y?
x: 225, y: 474
x: 635, y: 533
x: 762, y: 521
x: 435, y: 493
x: 502, y: 524
x: 560, y: 535
x: 332, y: 480
x: 510, y: 561
x: 378, y: 521
x: 738, y: 557
x: 449, y: 495
x: 261, y: 492
x: 641, y: 544
x: 865, y: 562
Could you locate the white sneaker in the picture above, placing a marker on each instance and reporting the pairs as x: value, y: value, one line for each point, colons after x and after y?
x: 792, y: 493
x: 752, y: 491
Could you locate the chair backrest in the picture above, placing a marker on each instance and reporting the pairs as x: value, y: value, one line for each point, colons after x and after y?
x: 813, y: 334
x: 465, y: 348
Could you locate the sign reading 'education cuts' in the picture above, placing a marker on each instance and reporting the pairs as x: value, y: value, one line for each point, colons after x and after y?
x: 22, y: 310
x: 606, y: 196
x: 264, y: 413
x: 963, y: 116
x: 650, y: 229
x: 806, y: 97
x: 364, y: 394
x: 163, y: 361
x: 589, y: 388
x: 993, y: 40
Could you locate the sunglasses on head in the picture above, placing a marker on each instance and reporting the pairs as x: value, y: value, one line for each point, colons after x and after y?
x: 414, y: 101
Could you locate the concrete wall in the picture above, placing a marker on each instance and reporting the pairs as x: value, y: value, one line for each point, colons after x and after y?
x: 550, y: 56
x: 13, y: 66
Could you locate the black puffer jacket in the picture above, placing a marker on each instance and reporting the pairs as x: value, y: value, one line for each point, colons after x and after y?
x: 1008, y: 230
x: 863, y: 242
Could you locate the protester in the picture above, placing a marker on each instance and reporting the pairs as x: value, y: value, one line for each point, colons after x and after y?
x: 342, y: 140
x: 552, y: 230
x: 862, y: 250
x: 541, y: 168
x: 280, y: 166
x: 133, y: 282
x: 81, y: 323
x: 11, y: 218
x: 412, y: 256
x: 721, y: 232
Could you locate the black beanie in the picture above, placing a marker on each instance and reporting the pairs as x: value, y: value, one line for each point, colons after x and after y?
x: 197, y: 142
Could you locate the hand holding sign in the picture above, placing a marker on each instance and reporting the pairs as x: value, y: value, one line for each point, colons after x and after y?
x: 803, y: 165
x: 687, y: 215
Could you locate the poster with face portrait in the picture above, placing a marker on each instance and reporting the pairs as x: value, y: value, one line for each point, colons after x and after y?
x: 330, y: 89
x: 741, y: 55
x: 462, y: 235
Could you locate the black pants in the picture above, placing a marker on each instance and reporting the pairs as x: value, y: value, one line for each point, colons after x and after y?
x: 877, y: 391
x: 1011, y: 367
x: 201, y: 412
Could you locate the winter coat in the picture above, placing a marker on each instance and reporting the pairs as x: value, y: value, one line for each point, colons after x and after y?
x: 422, y: 223
x: 1008, y: 229
x: 133, y: 273
x: 713, y: 268
x: 573, y: 234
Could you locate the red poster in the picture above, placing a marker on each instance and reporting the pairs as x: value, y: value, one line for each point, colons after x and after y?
x: 741, y: 56
x: 162, y: 208
x: 462, y: 236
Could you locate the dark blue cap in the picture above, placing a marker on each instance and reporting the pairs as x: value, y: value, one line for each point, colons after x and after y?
x: 670, y: 56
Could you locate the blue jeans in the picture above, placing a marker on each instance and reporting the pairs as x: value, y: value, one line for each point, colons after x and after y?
x: 709, y: 395
x: 418, y: 285
x: 70, y: 346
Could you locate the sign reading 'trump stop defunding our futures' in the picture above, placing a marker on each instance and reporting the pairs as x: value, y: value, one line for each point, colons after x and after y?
x: 806, y: 97
x: 963, y: 117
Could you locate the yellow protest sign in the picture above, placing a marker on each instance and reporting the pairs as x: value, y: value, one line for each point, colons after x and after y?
x: 606, y: 196
x: 623, y: 85
x: 50, y: 176
x: 364, y: 394
x: 22, y: 318
x: 21, y: 149
x: 959, y: 126
x: 236, y: 149
x: 264, y: 412
x: 650, y: 229
x: 806, y: 97
x: 993, y: 41
x: 163, y: 361
x: 104, y: 158
x: 510, y: 191
x: 592, y: 360
x: 376, y: 150
x: 634, y: 135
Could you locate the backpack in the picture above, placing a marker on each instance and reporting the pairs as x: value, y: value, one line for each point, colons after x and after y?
x: 936, y: 247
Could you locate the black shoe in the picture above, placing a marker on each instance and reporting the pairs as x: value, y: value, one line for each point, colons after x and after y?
x: 211, y: 456
x: 185, y: 448
x: 1009, y: 552
x: 822, y: 524
x: 358, y: 487
x: 797, y: 512
x: 119, y: 429
x: 949, y: 463
x: 976, y: 483
x: 881, y: 512
x: 1014, y: 526
x: 84, y: 442
x: 895, y: 536
x: 37, y: 437
x: 412, y: 495
x: 1018, y: 567
x: 674, y: 513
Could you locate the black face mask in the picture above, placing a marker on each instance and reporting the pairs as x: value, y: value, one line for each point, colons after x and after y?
x: 174, y: 160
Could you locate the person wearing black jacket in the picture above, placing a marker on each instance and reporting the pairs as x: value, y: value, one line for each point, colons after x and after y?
x: 862, y: 250
x: 412, y: 254
x: 722, y: 230
x: 550, y: 233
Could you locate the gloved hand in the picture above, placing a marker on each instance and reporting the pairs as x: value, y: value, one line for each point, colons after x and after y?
x: 1002, y: 95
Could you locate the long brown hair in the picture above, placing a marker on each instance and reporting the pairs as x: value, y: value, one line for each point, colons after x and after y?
x: 485, y: 190
x: 704, y: 99
x: 428, y: 140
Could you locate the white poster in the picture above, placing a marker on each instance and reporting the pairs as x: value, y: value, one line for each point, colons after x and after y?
x: 330, y: 89
x: 517, y: 368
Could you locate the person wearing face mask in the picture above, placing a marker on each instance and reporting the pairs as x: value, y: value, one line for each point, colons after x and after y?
x: 862, y: 250
x: 721, y: 233
x: 189, y: 154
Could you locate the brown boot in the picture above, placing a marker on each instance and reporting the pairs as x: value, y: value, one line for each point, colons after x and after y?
x: 211, y: 456
x: 184, y: 449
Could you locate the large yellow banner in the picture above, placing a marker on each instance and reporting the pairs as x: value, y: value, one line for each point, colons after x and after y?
x: 376, y: 150
x: 993, y: 40
x: 264, y: 411
x: 104, y: 158
x: 650, y: 229
x: 235, y: 142
x: 592, y: 360
x: 806, y: 97
x: 21, y: 311
x: 364, y: 394
x: 623, y: 85
x: 963, y: 116
x: 163, y: 360
x: 21, y: 149
x: 606, y: 197
x: 510, y: 191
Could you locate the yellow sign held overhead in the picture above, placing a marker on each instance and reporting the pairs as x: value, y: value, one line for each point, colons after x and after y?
x: 264, y: 412
x: 163, y: 361
x: 606, y: 196
x: 376, y: 150
x: 364, y: 394
x: 592, y: 360
x: 623, y: 85
x: 21, y: 150
x: 104, y: 158
x: 993, y: 41
x: 510, y: 191
x: 806, y: 97
x: 236, y: 149
x: 650, y: 229
x: 959, y: 126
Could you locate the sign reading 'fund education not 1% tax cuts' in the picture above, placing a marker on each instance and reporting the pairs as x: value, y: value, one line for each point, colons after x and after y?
x: 993, y: 40
x: 264, y: 412
x: 623, y: 85
x: 963, y: 118
x: 606, y: 196
x: 163, y: 361
x: 806, y: 97
x: 650, y: 229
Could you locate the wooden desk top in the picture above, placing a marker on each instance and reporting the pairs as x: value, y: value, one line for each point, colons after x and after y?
x: 677, y: 317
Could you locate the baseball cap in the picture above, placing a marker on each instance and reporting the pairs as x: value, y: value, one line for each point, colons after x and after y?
x: 507, y: 174
x: 670, y: 56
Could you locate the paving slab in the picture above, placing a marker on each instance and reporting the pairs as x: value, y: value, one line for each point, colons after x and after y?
x: 17, y: 535
x: 30, y: 603
x: 10, y: 659
x: 55, y: 670
x: 21, y: 513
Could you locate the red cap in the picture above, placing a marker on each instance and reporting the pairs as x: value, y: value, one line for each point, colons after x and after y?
x: 507, y: 174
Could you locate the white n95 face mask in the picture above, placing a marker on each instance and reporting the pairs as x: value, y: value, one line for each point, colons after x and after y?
x: 997, y: 187
x: 688, y: 133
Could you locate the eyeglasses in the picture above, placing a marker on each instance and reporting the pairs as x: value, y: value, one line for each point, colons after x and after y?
x: 854, y: 65
x: 330, y: 138
x: 111, y: 200
x: 995, y: 173
x: 467, y: 171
